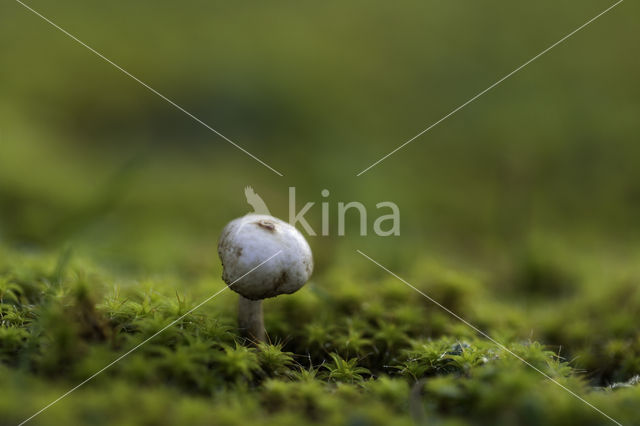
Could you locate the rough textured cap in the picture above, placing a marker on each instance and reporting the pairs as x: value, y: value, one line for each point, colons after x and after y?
x: 250, y: 240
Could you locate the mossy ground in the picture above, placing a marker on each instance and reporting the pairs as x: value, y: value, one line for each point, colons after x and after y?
x: 352, y: 347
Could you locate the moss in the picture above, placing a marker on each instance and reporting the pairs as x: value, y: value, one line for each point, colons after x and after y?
x: 393, y: 359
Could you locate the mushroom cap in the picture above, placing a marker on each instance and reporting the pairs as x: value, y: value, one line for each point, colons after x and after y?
x: 248, y: 241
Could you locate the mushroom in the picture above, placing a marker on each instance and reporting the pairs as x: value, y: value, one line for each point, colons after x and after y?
x: 247, y: 242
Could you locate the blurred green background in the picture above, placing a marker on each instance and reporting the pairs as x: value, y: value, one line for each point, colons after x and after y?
x: 319, y: 92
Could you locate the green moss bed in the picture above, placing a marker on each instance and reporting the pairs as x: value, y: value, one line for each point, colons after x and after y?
x: 355, y: 346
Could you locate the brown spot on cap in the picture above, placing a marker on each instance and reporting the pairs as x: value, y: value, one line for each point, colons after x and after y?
x: 266, y: 224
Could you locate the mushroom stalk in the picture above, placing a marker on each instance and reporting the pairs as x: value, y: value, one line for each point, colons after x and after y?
x: 250, y: 319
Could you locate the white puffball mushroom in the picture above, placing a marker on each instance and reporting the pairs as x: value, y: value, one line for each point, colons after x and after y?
x: 244, y: 244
